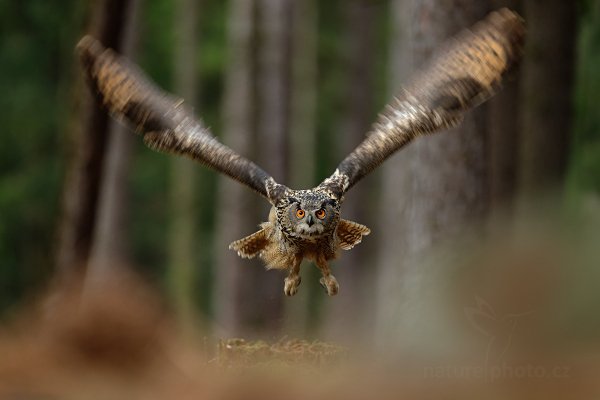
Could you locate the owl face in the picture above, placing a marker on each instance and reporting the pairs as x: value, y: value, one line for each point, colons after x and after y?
x: 311, y: 214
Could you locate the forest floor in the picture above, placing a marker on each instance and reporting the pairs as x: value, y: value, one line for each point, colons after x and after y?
x: 119, y: 343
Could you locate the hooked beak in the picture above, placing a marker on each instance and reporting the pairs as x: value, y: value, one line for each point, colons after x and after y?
x: 309, y: 220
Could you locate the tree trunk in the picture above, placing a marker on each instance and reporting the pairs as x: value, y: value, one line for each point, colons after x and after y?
x: 273, y: 76
x: 504, y: 116
x: 183, y: 241
x: 353, y: 273
x: 110, y: 248
x: 546, y: 94
x: 302, y: 133
x: 273, y: 91
x: 90, y: 136
x: 233, y: 287
x: 396, y: 183
x: 444, y: 189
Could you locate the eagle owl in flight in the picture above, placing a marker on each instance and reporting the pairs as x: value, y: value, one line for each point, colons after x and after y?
x: 307, y: 223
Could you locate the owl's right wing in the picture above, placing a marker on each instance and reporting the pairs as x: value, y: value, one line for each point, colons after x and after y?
x: 466, y: 71
x: 164, y: 122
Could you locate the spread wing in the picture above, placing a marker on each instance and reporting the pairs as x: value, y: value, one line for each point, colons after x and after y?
x: 163, y: 121
x: 466, y: 71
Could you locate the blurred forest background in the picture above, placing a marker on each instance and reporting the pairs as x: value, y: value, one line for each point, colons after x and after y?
x: 293, y: 85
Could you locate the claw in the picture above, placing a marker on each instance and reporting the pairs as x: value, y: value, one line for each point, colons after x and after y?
x: 290, y: 287
x: 330, y: 284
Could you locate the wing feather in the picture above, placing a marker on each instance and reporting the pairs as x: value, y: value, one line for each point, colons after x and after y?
x: 350, y: 233
x: 466, y: 71
x: 165, y: 122
x: 251, y: 246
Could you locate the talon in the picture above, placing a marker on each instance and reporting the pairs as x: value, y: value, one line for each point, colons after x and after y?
x: 330, y: 284
x: 290, y: 287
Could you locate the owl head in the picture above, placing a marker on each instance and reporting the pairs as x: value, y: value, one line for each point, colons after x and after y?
x: 309, y: 213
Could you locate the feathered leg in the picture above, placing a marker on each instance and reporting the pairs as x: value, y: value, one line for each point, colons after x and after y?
x: 293, y: 279
x: 328, y: 281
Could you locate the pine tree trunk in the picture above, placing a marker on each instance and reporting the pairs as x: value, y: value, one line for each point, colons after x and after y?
x: 353, y: 272
x: 504, y: 117
x: 443, y: 192
x: 110, y: 248
x: 273, y: 77
x: 546, y: 94
x: 396, y: 181
x: 302, y: 134
x: 233, y: 287
x: 183, y: 241
x: 90, y: 136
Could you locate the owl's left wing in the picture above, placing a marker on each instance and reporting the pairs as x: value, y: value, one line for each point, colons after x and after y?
x: 165, y: 123
x: 466, y: 71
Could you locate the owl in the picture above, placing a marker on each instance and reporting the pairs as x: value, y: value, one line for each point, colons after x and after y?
x: 307, y: 224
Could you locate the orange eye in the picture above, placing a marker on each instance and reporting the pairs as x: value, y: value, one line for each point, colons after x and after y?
x: 300, y: 214
x: 320, y: 214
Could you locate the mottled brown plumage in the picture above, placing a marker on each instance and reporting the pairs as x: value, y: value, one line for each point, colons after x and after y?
x: 306, y: 223
x: 165, y: 122
x: 463, y: 73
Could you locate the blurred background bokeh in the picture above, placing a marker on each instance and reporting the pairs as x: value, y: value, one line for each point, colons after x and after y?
x: 502, y: 214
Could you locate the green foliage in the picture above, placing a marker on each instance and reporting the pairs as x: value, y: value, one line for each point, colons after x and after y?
x: 585, y: 164
x: 36, y: 72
